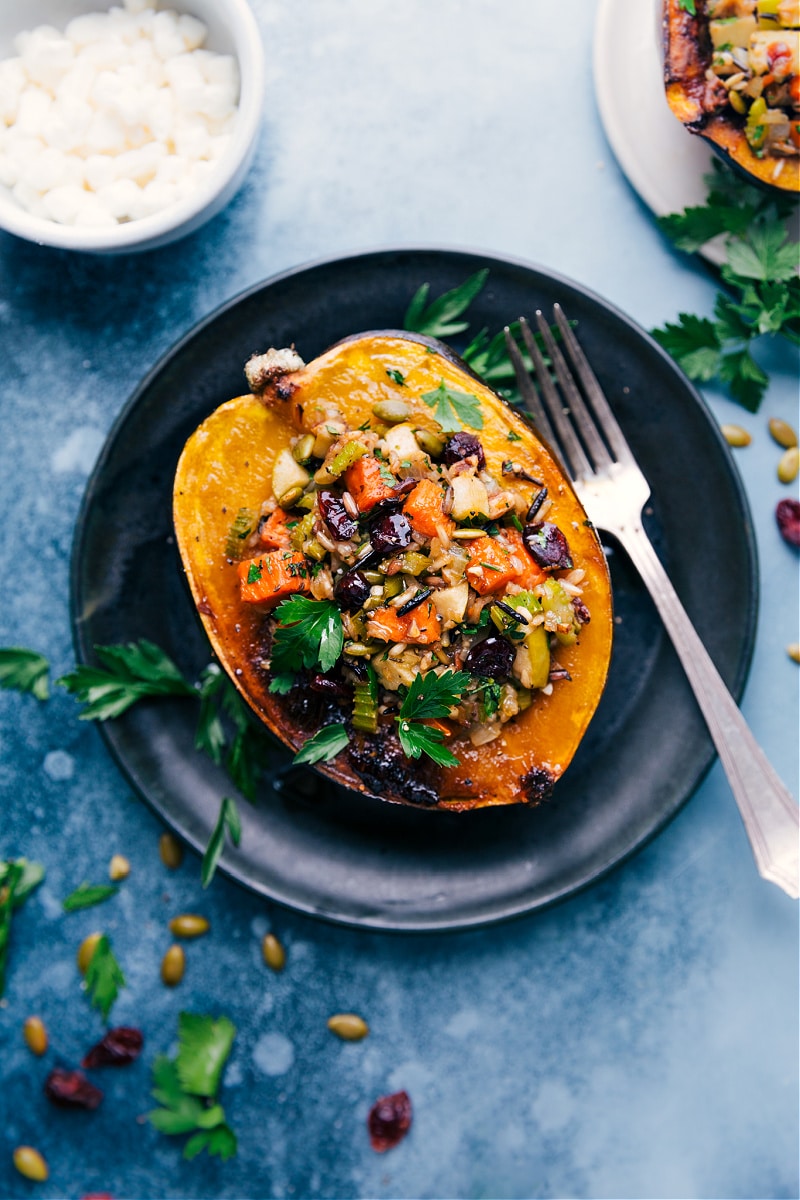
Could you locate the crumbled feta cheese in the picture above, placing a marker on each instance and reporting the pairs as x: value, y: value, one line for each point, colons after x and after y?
x: 120, y: 115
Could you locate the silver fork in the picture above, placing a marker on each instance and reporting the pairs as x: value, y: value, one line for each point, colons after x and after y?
x: 613, y: 491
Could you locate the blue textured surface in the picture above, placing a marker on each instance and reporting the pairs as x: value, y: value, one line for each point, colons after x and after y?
x: 639, y: 1040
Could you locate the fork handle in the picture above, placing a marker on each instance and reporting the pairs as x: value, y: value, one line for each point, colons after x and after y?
x: 771, y: 816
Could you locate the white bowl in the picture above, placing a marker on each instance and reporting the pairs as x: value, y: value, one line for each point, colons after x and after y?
x: 232, y: 29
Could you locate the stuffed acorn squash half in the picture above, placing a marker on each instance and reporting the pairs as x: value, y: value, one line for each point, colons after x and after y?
x: 732, y: 75
x: 395, y: 573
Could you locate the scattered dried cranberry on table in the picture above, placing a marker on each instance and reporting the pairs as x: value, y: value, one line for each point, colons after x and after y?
x: 71, y: 1089
x: 119, y: 1047
x: 389, y: 1121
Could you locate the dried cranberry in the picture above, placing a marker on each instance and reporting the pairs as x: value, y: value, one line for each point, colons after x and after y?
x: 351, y: 590
x: 391, y: 533
x: 492, y: 657
x: 547, y: 546
x: 787, y: 514
x: 328, y: 686
x: 581, y: 611
x: 463, y: 445
x: 336, y: 516
x: 71, y: 1089
x: 389, y: 1121
x: 119, y: 1047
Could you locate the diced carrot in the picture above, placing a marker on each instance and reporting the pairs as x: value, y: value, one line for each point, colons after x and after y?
x: 270, y: 577
x: 432, y: 723
x: 420, y: 627
x: 424, y: 509
x: 490, y: 567
x: 366, y: 484
x: 274, y: 534
x: 532, y: 574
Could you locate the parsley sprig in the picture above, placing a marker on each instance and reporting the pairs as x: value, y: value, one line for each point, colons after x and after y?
x: 430, y: 698
x: 324, y: 745
x: 24, y: 671
x: 130, y: 673
x: 18, y: 878
x: 186, y: 1087
x: 86, y: 895
x: 439, y: 319
x: 309, y: 634
x: 453, y: 409
x: 228, y: 823
x: 104, y: 977
x: 761, y: 276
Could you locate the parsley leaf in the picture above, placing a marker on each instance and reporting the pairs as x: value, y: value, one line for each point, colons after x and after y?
x: 324, y: 745
x: 24, y: 671
x: 18, y: 878
x: 86, y: 895
x: 133, y: 671
x: 104, y: 977
x: 417, y: 739
x: 760, y: 273
x: 186, y: 1087
x: 454, y: 409
x: 433, y: 695
x: 440, y: 318
x: 204, y: 1044
x: 396, y: 376
x: 309, y: 633
x: 688, y: 6
x: 229, y: 822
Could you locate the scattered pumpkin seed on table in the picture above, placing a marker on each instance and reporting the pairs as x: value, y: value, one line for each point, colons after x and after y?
x: 273, y: 952
x: 30, y: 1163
x: 173, y: 965
x: 789, y: 465
x: 86, y: 950
x: 348, y: 1026
x: 170, y: 851
x: 35, y: 1035
x: 119, y: 867
x: 782, y: 432
x: 189, y: 925
x: 735, y: 435
x: 794, y: 651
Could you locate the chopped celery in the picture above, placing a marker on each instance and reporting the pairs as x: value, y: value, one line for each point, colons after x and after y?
x: 365, y: 703
x: 344, y: 458
x: 244, y: 524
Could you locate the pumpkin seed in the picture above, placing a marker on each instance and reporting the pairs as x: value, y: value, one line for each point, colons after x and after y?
x: 273, y: 952
x: 189, y: 925
x: 173, y: 965
x: 35, y: 1035
x: 303, y: 450
x: 170, y: 851
x: 30, y: 1163
x: 782, y: 432
x: 737, y: 103
x: 735, y: 435
x: 348, y: 1026
x: 429, y: 442
x: 794, y: 652
x: 86, y: 950
x: 392, y: 411
x: 789, y: 465
x: 290, y: 497
x: 119, y: 867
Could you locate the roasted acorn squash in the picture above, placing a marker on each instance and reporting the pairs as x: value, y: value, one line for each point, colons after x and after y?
x: 732, y: 76
x: 227, y: 466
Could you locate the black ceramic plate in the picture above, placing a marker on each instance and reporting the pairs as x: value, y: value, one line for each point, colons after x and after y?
x: 361, y: 862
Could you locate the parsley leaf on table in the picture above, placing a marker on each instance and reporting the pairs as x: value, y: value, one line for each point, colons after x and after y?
x: 86, y: 895
x: 228, y: 822
x: 186, y: 1086
x: 104, y: 977
x: 131, y: 672
x: 309, y: 634
x: 453, y: 409
x: 760, y: 273
x: 324, y: 745
x: 440, y: 318
x: 24, y: 671
x: 18, y: 878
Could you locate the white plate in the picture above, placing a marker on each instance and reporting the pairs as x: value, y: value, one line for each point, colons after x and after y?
x: 662, y: 160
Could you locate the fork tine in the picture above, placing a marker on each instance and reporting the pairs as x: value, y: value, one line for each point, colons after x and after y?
x: 583, y: 421
x: 527, y: 389
x: 567, y: 442
x: 595, y: 394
